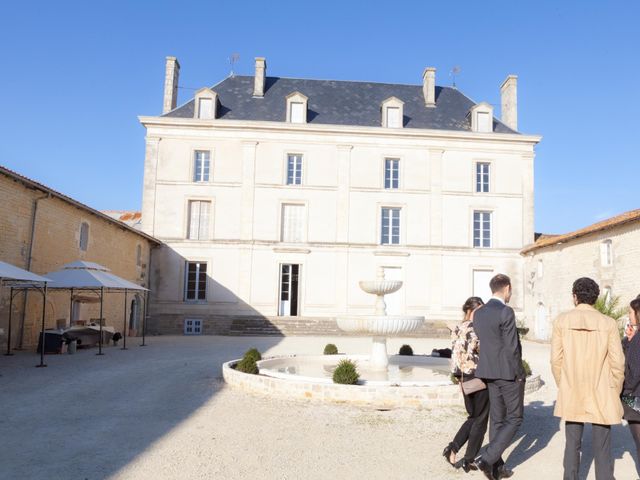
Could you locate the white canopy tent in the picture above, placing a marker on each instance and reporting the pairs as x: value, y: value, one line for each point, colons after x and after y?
x: 89, y: 276
x: 19, y: 280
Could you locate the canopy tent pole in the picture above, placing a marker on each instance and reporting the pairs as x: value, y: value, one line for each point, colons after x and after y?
x: 71, y: 308
x: 101, y: 321
x: 9, y: 327
x: 124, y: 323
x: 144, y: 319
x: 44, y: 311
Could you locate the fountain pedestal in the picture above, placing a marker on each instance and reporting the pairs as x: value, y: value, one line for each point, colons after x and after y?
x: 380, y: 325
x: 379, y: 358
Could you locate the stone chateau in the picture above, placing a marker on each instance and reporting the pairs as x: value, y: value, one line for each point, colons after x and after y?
x: 274, y: 197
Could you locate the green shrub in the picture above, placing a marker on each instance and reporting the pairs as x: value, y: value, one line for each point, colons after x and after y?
x: 247, y: 365
x: 406, y: 350
x: 346, y: 373
x: 526, y: 368
x: 253, y: 353
x: 330, y: 349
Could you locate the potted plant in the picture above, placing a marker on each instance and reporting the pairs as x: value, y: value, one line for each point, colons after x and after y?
x: 521, y: 327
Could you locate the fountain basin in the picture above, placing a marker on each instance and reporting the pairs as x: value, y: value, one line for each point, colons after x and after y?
x: 380, y: 287
x: 380, y: 325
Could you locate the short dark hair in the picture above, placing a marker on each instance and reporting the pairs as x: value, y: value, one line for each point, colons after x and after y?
x: 471, y: 304
x: 498, y: 282
x: 586, y: 290
x: 635, y: 306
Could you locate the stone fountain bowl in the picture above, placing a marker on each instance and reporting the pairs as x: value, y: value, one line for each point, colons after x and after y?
x: 380, y: 325
x: 380, y: 287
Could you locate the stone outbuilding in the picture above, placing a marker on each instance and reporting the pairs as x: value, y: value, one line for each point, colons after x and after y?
x: 607, y: 251
x: 42, y: 230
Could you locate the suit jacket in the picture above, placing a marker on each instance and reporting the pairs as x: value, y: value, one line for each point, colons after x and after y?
x: 500, y: 348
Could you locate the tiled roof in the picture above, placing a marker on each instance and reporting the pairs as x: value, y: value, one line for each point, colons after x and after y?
x: 37, y: 185
x: 604, y: 225
x: 131, y: 218
x: 335, y: 102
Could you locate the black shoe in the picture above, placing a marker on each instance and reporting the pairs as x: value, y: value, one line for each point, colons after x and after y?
x: 503, y: 472
x: 486, y: 469
x: 468, y: 465
x: 446, y: 453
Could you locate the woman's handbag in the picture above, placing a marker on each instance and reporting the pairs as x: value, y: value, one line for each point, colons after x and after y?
x: 631, y: 401
x: 471, y: 386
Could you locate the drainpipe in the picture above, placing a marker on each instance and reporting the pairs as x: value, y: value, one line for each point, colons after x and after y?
x: 34, y: 215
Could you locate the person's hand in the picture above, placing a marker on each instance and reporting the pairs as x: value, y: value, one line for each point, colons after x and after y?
x: 630, y: 330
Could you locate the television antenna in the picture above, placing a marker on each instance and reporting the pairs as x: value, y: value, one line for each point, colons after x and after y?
x: 453, y: 72
x: 233, y: 59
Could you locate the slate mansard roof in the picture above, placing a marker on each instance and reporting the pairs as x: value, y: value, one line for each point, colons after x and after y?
x: 333, y: 102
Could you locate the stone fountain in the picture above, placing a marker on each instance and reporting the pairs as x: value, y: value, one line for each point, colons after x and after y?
x: 380, y: 325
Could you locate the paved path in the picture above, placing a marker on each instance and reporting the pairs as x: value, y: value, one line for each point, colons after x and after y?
x: 162, y: 412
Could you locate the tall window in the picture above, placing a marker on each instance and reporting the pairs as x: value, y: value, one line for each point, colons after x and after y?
x: 198, y: 220
x: 294, y: 169
x: 482, y: 229
x: 201, y: 166
x: 606, y: 253
x: 84, y: 236
x: 292, y: 223
x: 391, y: 173
x: 297, y: 112
x: 139, y: 255
x: 205, y: 108
x: 390, y: 226
x: 195, y: 287
x: 482, y: 177
x: 393, y: 117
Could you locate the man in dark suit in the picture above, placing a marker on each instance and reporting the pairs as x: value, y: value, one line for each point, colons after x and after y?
x: 500, y: 366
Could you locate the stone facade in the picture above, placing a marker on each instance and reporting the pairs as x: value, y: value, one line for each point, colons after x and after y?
x: 555, y: 262
x: 56, y: 242
x: 341, y: 196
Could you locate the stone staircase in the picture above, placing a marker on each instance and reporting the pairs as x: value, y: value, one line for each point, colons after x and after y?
x: 311, y: 326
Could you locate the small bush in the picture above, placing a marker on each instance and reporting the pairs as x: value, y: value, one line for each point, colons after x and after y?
x: 330, y: 349
x: 406, y: 350
x: 247, y: 365
x: 346, y: 373
x: 526, y: 368
x: 253, y: 353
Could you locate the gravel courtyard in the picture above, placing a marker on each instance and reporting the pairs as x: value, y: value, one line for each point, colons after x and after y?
x: 163, y: 412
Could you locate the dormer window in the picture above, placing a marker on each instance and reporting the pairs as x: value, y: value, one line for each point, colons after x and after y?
x: 206, y: 101
x: 392, y: 112
x: 296, y: 108
x: 481, y: 118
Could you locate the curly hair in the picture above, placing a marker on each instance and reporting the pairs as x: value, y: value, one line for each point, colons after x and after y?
x: 635, y: 306
x: 471, y: 304
x: 586, y: 290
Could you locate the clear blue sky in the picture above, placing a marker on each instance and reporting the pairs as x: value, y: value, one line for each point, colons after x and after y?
x: 74, y: 76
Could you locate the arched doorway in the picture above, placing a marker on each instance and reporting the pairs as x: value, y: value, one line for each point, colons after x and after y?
x: 134, y: 315
x: 542, y: 326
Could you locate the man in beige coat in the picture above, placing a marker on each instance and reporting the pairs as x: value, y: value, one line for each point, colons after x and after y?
x: 588, y: 366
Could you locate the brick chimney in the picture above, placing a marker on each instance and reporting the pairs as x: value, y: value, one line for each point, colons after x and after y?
x: 429, y: 86
x: 509, y: 102
x: 172, y: 71
x: 261, y: 73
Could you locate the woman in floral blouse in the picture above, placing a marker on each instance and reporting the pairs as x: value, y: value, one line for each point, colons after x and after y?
x: 464, y: 360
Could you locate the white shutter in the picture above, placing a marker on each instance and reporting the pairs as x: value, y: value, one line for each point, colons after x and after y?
x: 205, y: 108
x: 203, y: 227
x: 393, y: 117
x: 485, y: 123
x: 297, y: 112
x: 194, y: 220
x: 481, y: 279
x: 292, y: 223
